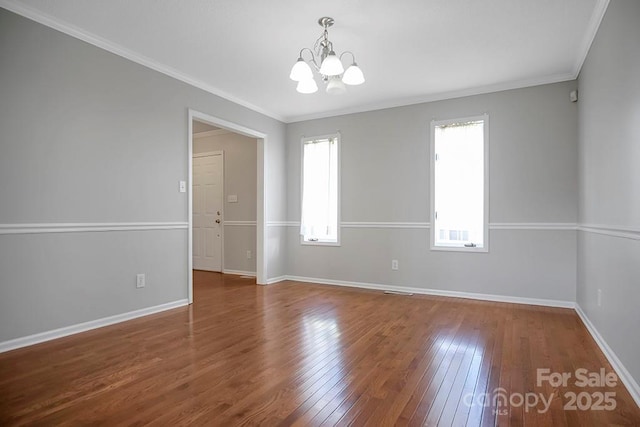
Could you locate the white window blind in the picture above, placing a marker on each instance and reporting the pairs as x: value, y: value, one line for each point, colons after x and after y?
x: 459, y: 184
x: 320, y: 190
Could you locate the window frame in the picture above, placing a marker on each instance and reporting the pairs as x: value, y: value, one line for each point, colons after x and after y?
x: 432, y: 172
x: 338, y: 138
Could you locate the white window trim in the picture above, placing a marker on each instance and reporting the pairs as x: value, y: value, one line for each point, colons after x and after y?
x: 432, y: 173
x: 338, y: 225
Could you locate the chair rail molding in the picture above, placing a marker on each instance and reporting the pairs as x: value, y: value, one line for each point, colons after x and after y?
x: 77, y: 227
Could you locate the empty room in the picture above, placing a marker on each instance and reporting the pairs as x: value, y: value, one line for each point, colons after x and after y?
x: 377, y: 213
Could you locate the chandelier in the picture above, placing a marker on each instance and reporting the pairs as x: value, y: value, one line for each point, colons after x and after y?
x: 331, y: 70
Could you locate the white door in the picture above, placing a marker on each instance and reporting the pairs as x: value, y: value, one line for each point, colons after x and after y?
x: 207, y: 211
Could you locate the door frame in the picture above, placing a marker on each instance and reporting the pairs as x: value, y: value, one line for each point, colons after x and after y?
x: 261, y: 208
x: 208, y: 154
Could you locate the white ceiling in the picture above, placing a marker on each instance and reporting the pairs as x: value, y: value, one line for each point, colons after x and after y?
x: 410, y: 50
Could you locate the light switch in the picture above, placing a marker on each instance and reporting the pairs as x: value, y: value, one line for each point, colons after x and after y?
x: 232, y: 198
x: 183, y: 186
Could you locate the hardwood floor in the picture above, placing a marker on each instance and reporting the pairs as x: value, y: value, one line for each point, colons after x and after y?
x: 301, y: 354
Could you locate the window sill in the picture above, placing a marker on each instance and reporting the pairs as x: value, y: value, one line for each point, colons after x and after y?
x: 319, y: 243
x: 459, y: 249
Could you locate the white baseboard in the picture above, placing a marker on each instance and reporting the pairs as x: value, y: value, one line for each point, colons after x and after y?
x: 240, y: 273
x: 87, y: 326
x: 277, y: 279
x: 436, y: 292
x: 623, y: 374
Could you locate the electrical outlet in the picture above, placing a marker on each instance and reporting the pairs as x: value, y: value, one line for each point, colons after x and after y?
x: 599, y: 297
x: 140, y: 281
x: 394, y: 264
x: 248, y: 254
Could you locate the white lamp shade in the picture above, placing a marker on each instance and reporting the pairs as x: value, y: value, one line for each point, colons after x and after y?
x: 300, y: 71
x: 353, y: 76
x: 307, y: 86
x: 331, y: 66
x: 335, y: 86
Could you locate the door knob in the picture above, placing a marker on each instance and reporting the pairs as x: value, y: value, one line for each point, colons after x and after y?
x: 218, y: 213
x: 217, y: 221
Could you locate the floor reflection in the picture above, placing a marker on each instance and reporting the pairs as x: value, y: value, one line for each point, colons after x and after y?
x: 321, y: 343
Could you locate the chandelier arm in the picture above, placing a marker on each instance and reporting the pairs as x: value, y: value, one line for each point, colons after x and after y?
x: 353, y: 57
x: 330, y: 63
x: 313, y: 57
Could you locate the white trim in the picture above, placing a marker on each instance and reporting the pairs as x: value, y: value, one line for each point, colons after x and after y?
x: 190, y: 207
x: 261, y: 201
x: 87, y: 326
x: 276, y: 280
x: 590, y: 35
x: 207, y: 133
x: 413, y: 225
x: 432, y: 183
x: 139, y: 226
x: 425, y: 225
x: 610, y: 230
x: 421, y: 99
x: 632, y: 386
x: 283, y: 224
x: 239, y: 272
x: 436, y: 292
x: 88, y: 227
x: 533, y: 226
x: 239, y: 223
x: 303, y: 141
x: 109, y: 46
x: 73, y: 31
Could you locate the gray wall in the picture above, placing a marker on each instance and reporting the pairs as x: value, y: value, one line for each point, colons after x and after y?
x: 240, y: 180
x: 609, y: 118
x: 89, y: 137
x: 385, y: 178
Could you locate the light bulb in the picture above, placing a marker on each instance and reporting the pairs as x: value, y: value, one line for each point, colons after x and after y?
x: 331, y: 66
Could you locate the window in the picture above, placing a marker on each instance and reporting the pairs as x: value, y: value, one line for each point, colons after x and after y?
x: 320, y: 190
x: 459, y: 196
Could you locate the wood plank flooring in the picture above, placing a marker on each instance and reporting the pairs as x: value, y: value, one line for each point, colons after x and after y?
x: 303, y: 354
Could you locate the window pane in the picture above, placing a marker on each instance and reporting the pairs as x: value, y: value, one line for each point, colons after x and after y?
x: 320, y: 190
x: 459, y: 184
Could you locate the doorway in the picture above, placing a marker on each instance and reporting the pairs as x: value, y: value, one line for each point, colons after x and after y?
x: 260, y: 225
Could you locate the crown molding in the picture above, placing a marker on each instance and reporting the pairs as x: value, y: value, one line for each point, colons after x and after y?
x: 590, y: 35
x: 73, y: 31
x: 442, y: 96
x: 97, y: 41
